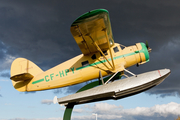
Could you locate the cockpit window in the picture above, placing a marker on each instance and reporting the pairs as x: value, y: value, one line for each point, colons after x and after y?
x: 85, y: 63
x: 105, y: 53
x: 116, y: 49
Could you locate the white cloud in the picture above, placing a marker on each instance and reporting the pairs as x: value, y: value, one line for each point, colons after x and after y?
x: 6, y: 63
x: 4, y: 81
x: 35, y: 119
x: 85, y: 117
x: 0, y: 94
x: 162, y: 110
x: 107, y: 111
x: 78, y: 110
x: 110, y: 117
x: 104, y: 106
x: 48, y: 102
x: 7, y: 104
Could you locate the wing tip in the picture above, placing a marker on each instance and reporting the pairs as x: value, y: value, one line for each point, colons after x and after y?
x: 89, y: 14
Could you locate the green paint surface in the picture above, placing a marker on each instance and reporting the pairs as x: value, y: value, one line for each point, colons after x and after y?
x: 66, y: 71
x: 103, y: 61
x: 72, y: 69
x: 88, y: 15
x: 68, y: 111
x: 37, y: 81
x: 145, y: 51
x: 52, y: 75
x: 46, y: 78
x: 61, y: 73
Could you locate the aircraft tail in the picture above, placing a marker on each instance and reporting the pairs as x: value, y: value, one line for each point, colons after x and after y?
x: 22, y: 72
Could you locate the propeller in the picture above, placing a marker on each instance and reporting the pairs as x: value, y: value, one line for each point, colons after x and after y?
x: 147, y: 46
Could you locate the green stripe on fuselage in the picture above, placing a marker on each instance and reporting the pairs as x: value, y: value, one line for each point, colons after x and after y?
x: 103, y: 61
x: 37, y: 81
x: 93, y: 64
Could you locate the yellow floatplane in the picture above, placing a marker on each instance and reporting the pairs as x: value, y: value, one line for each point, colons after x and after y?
x: 100, y: 57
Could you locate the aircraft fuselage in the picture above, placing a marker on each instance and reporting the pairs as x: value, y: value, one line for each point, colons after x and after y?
x: 84, y: 68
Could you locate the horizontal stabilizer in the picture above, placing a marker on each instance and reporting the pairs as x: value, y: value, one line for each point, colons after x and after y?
x: 22, y: 77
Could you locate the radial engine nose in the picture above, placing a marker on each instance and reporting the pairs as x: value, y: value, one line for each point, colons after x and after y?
x: 143, y: 52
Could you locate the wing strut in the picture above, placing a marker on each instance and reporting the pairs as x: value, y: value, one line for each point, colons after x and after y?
x: 98, y: 48
x: 112, y: 66
x: 105, y: 30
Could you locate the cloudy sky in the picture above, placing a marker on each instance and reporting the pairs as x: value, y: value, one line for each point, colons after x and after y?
x: 39, y: 30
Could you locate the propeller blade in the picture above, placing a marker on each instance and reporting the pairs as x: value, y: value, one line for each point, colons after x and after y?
x: 147, y: 44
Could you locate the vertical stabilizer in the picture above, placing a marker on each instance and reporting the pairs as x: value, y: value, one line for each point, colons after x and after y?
x: 22, y: 72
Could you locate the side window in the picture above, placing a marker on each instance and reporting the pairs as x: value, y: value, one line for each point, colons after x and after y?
x: 93, y: 57
x: 85, y: 63
x: 105, y: 53
x: 116, y: 49
x: 122, y: 46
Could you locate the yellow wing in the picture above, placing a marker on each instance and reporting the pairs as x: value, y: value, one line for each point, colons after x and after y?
x: 93, y: 28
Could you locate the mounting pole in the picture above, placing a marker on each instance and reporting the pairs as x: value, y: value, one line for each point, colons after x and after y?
x: 68, y: 112
x: 70, y: 106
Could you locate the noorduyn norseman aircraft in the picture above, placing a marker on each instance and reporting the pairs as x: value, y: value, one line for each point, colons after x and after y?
x: 100, y: 57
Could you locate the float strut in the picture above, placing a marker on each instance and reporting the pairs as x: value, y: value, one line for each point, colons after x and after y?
x: 130, y: 72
